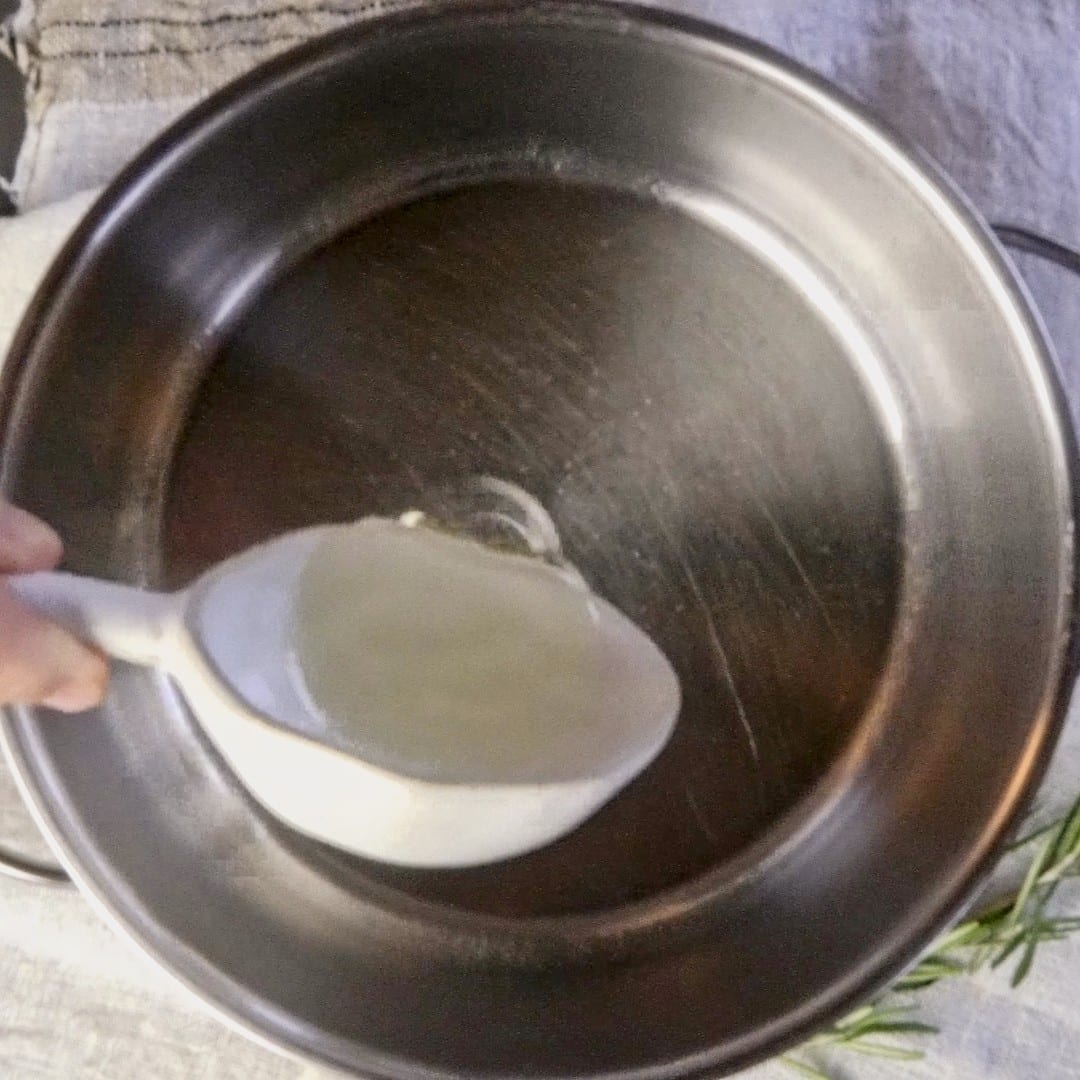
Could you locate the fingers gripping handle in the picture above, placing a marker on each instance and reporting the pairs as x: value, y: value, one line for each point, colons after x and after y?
x: 125, y: 622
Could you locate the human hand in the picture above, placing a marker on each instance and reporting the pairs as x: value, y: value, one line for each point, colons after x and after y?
x: 40, y: 662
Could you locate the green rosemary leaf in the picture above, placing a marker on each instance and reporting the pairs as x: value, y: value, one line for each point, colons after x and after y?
x: 857, y: 1016
x: 1026, y: 960
x: 884, y: 1050
x: 803, y: 1068
x: 909, y: 1027
x: 873, y: 1016
x: 1031, y: 879
x: 963, y: 933
x: 927, y: 974
x: 908, y: 985
x: 1068, y: 841
x: 1008, y: 950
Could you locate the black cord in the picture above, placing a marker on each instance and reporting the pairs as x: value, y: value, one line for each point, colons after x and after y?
x: 24, y: 869
x: 1021, y: 239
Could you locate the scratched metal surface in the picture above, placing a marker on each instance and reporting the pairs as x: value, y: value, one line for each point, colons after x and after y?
x: 607, y: 354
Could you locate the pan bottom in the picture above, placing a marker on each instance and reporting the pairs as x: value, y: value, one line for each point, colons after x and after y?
x: 701, y: 432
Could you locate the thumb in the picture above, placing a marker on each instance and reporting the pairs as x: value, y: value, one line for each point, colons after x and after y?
x: 42, y: 664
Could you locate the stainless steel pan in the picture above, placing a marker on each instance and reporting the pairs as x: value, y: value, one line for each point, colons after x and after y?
x: 791, y: 410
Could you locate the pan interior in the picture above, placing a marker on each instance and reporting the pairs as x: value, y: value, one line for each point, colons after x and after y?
x: 683, y: 405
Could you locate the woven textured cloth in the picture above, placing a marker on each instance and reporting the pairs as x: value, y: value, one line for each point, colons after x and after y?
x: 990, y: 87
x: 103, y: 78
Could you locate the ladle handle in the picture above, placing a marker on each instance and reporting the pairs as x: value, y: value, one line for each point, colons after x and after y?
x: 125, y: 622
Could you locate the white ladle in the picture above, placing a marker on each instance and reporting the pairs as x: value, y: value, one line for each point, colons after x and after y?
x: 230, y: 642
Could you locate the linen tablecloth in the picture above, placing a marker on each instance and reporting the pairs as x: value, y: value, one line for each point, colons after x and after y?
x: 991, y: 88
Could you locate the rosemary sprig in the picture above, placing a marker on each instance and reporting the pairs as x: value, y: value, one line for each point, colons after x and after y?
x: 1010, y: 929
x: 862, y: 1031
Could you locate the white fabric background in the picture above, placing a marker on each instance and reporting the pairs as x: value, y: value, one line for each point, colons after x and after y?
x: 990, y: 87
